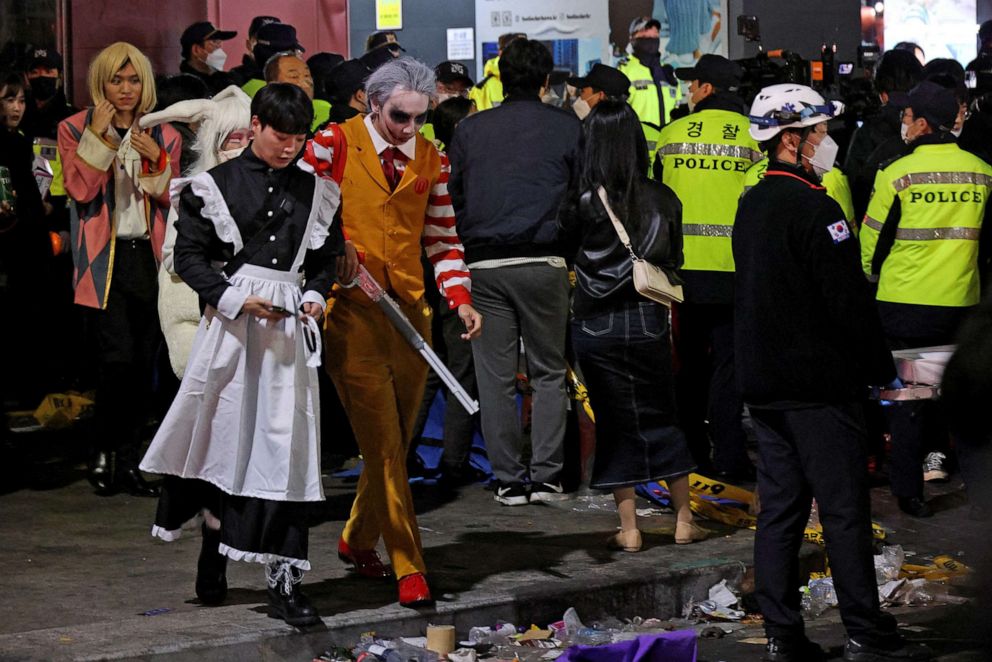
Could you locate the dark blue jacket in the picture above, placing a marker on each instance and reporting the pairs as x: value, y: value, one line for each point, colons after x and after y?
x: 511, y: 167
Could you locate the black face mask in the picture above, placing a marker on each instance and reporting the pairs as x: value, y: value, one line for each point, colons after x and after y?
x: 44, y: 88
x: 646, y: 46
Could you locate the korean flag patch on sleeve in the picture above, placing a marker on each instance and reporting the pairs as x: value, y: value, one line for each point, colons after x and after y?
x: 839, y: 231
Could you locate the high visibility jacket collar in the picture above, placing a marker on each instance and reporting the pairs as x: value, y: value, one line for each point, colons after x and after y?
x: 722, y: 101
x: 932, y: 139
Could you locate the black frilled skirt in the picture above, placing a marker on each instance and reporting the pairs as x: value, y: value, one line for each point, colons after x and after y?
x: 252, y: 529
x: 625, y: 358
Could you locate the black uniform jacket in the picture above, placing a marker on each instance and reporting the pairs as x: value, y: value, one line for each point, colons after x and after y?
x: 806, y: 327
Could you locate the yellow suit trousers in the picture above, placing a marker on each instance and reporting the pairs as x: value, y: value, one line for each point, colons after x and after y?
x: 380, y: 380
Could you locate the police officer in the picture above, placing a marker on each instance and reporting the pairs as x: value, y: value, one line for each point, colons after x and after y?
x: 488, y: 92
x: 799, y: 300
x: 922, y: 242
x: 704, y: 157
x: 654, y: 92
x: 602, y: 82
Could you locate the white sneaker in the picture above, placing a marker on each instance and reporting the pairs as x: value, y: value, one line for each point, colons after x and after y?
x: 933, y: 468
x: 511, y: 494
x: 547, y: 492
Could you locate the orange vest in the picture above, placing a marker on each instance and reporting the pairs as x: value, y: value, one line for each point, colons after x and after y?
x: 387, y: 225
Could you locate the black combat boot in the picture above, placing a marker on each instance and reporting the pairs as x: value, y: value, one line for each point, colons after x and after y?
x: 286, y: 600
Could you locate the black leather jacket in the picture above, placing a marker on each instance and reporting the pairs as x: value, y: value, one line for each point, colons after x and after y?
x: 603, y: 268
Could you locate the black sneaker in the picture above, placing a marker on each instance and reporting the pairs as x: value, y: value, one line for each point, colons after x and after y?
x: 547, y: 492
x: 792, y: 650
x: 511, y: 494
x: 861, y: 652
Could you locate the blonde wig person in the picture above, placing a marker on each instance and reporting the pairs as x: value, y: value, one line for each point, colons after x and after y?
x: 117, y: 179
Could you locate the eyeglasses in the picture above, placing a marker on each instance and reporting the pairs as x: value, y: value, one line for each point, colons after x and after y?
x: 400, y: 117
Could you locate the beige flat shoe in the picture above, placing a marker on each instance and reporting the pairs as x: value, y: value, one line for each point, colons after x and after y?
x: 626, y: 541
x: 689, y: 532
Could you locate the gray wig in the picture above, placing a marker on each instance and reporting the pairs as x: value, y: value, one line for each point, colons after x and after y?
x: 405, y: 74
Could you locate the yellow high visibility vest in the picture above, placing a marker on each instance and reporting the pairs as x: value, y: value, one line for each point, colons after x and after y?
x: 644, y: 100
x: 490, y: 93
x: 705, y: 157
x: 939, y: 193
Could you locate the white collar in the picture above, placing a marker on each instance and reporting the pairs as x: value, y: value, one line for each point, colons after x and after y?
x: 408, y: 149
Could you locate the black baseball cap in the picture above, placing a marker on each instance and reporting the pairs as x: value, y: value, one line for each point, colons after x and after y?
x: 643, y: 23
x: 278, y: 37
x: 605, y: 78
x: 385, y: 38
x: 345, y: 79
x: 202, y: 31
x: 259, y: 22
x: 377, y: 57
x: 716, y: 70
x: 321, y: 63
x: 49, y: 58
x: 451, y: 72
x: 937, y: 104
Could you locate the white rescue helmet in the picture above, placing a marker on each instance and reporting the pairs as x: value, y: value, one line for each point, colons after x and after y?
x: 789, y: 105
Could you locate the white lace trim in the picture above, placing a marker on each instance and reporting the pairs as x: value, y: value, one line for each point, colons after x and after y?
x: 165, y: 534
x: 326, y: 199
x: 215, y: 210
x: 256, y: 557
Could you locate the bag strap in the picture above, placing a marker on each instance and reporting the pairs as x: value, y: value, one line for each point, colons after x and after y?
x: 259, y: 239
x: 624, y: 238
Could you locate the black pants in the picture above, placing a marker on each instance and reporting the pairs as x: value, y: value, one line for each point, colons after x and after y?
x: 127, y: 335
x: 916, y: 427
x: 816, y: 452
x: 706, y: 387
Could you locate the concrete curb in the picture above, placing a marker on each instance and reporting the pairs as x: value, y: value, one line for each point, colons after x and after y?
x: 236, y: 633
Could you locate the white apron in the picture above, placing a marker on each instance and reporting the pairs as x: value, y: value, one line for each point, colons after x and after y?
x: 247, y: 414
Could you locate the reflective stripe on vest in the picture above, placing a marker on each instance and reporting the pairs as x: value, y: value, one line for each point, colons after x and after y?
x: 707, y: 230
x: 928, y: 234
x: 708, y: 149
x: 917, y: 178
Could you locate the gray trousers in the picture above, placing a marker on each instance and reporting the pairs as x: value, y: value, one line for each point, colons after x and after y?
x: 528, y: 301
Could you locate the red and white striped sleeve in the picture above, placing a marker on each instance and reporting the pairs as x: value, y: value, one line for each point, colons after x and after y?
x: 441, y: 243
x: 326, y: 154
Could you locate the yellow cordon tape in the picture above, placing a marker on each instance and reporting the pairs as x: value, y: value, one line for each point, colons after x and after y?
x: 701, y: 487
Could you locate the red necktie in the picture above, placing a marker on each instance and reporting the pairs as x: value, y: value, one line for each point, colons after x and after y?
x: 390, y: 156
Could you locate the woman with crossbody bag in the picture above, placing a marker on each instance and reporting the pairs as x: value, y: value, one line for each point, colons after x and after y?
x: 620, y: 336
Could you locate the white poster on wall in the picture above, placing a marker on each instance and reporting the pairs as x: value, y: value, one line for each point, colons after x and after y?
x: 577, y: 32
x: 461, y: 43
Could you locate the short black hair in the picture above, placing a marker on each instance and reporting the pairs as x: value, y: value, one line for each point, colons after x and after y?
x: 524, y: 67
x: 179, y: 87
x: 447, y: 115
x: 12, y: 83
x: 898, y: 71
x: 284, y: 107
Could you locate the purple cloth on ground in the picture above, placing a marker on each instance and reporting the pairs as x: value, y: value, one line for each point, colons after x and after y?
x: 678, y: 646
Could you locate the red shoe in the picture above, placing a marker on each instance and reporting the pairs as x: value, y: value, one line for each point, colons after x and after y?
x: 414, y: 591
x: 366, y: 562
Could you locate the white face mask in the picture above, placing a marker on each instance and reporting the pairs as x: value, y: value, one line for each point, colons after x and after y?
x: 225, y: 155
x: 824, y: 156
x: 904, y: 132
x: 581, y: 108
x: 957, y: 132
x: 217, y: 59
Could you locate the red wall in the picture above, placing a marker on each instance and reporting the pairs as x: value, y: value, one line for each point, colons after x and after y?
x: 154, y: 26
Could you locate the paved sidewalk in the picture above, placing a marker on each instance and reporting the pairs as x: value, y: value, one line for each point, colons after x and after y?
x: 80, y: 572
